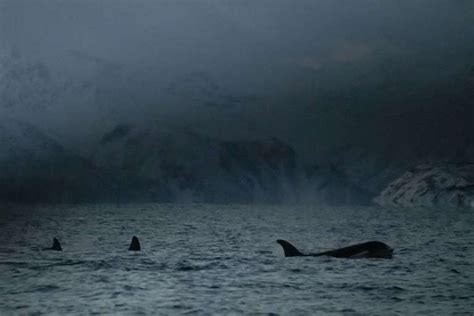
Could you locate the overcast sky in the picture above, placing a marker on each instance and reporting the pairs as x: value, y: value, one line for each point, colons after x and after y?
x: 242, y: 67
x: 225, y: 35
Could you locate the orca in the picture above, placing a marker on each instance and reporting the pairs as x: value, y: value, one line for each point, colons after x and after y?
x: 135, y: 244
x: 370, y: 249
x: 56, y: 245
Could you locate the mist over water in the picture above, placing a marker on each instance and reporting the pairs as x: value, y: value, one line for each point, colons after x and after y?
x: 318, y: 75
x: 189, y: 101
x: 210, y: 129
x: 224, y: 259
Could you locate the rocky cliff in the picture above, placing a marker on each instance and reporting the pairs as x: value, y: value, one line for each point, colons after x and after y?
x: 442, y: 184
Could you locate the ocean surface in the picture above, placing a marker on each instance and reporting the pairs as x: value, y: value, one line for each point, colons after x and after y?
x: 223, y: 259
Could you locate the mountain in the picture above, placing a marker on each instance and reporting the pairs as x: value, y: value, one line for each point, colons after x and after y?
x: 159, y: 164
x: 35, y: 168
x: 162, y: 165
x: 440, y: 184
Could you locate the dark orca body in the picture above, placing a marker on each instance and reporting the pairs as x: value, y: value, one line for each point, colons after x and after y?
x: 371, y: 249
x: 135, y: 244
x: 56, y: 245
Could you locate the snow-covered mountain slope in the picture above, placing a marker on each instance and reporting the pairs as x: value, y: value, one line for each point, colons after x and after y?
x: 441, y: 184
x: 134, y: 163
x: 34, y: 167
x: 157, y: 164
x: 171, y: 165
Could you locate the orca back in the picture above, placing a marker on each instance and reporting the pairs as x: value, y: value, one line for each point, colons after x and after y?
x: 371, y: 249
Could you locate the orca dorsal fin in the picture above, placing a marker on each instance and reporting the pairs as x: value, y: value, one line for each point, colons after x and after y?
x: 56, y: 245
x: 289, y: 249
x: 135, y: 244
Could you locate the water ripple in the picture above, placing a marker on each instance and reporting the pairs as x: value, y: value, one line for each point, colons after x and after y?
x: 223, y: 259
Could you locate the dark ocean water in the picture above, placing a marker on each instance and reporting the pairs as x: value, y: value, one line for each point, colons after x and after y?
x: 223, y: 259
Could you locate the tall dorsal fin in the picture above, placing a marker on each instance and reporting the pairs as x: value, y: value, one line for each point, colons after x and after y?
x: 135, y: 244
x: 289, y: 249
x: 56, y: 245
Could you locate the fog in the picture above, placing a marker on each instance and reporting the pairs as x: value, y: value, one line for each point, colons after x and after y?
x: 393, y: 78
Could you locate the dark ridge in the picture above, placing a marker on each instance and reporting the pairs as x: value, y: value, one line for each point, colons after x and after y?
x: 118, y: 132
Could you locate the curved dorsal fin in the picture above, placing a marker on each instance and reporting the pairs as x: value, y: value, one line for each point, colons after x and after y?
x: 289, y: 249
